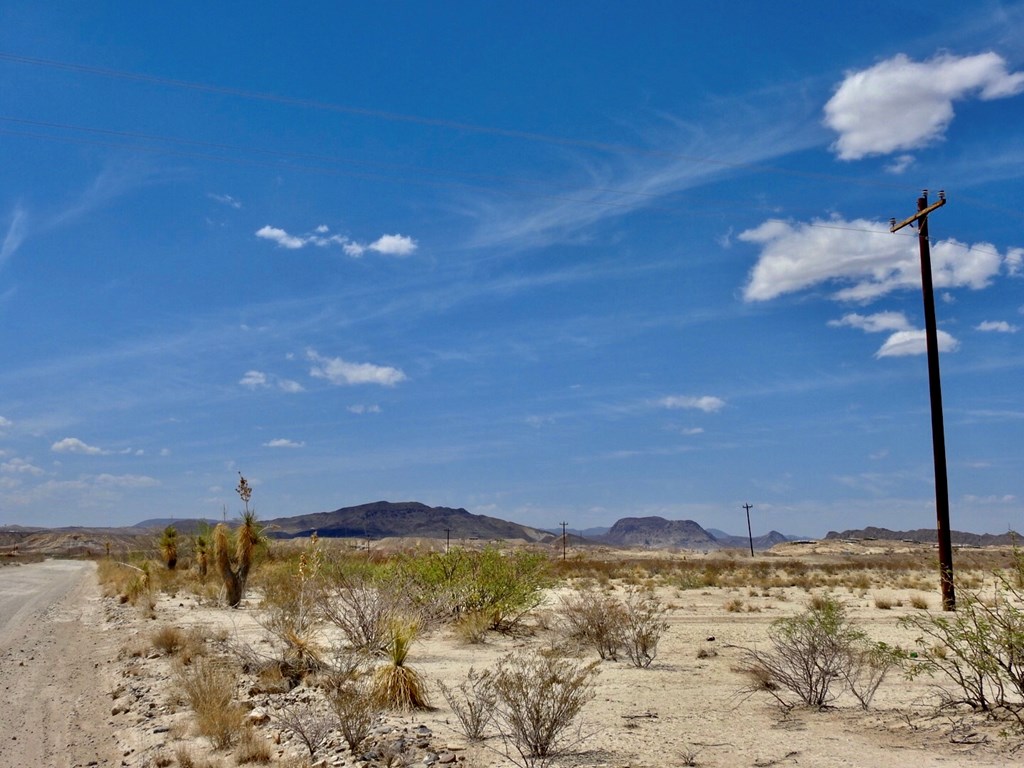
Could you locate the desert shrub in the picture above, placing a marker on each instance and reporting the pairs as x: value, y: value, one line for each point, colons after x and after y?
x: 920, y: 602
x: 473, y: 702
x: 883, y: 603
x: 817, y: 655
x: 539, y: 699
x: 311, y: 726
x: 978, y: 650
x: 644, y: 626
x: 362, y: 606
x: 735, y: 605
x: 396, y: 685
x: 209, y: 686
x: 504, y: 586
x: 595, y: 620
x: 291, y: 611
x: 356, y: 712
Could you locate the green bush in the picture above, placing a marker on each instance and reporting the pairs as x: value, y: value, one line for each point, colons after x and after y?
x: 979, y: 649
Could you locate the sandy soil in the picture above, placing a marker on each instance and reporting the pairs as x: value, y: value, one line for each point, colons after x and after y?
x: 55, y: 659
x: 90, y: 666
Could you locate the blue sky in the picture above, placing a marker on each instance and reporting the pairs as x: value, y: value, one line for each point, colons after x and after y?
x: 544, y: 261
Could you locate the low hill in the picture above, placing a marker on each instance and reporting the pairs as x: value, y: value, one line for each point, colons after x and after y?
x: 383, y: 519
x: 659, y: 533
x: 928, y: 536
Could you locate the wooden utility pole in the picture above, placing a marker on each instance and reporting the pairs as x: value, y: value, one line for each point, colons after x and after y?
x: 935, y: 391
x: 563, y: 540
x: 447, y: 539
x: 750, y: 534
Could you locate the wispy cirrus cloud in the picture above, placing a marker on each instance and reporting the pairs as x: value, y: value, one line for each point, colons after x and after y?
x: 17, y: 230
x: 706, y: 403
x: 342, y: 372
x: 282, y: 442
x: 360, y: 409
x: 386, y: 245
x: 259, y: 380
x: 227, y: 200
x: 920, y: 93
x: 860, y: 254
x: 606, y: 182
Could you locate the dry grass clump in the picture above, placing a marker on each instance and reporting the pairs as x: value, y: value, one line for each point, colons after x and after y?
x: 209, y: 687
x: 168, y: 639
x: 883, y: 603
x: 920, y: 602
x: 253, y: 747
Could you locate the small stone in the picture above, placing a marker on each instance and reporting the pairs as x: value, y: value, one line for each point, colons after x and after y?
x: 259, y: 716
x: 446, y: 757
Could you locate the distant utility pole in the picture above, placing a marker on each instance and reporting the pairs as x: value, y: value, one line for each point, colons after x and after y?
x: 563, y: 540
x: 750, y: 534
x: 447, y: 539
x: 935, y: 390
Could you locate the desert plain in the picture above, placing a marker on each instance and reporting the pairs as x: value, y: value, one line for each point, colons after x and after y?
x: 90, y: 677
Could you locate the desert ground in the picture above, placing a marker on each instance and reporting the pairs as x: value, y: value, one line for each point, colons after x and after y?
x: 88, y: 681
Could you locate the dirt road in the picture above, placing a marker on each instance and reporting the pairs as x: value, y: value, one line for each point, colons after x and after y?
x: 56, y: 708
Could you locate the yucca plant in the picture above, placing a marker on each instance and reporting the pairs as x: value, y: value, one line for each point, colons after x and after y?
x: 234, y: 563
x: 169, y: 547
x: 201, y: 547
x: 395, y: 685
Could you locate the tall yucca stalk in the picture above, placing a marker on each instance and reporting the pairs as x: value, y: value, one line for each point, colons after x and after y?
x: 234, y: 566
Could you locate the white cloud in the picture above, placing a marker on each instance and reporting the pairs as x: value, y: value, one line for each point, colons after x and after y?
x: 387, y: 245
x: 227, y: 200
x: 899, y: 164
x: 283, y: 443
x: 280, y: 237
x: 338, y: 371
x: 74, y: 445
x: 706, y: 403
x: 361, y: 409
x: 253, y: 379
x: 1015, y: 261
x: 126, y: 481
x: 691, y: 431
x: 903, y: 343
x: 900, y: 104
x: 287, y: 385
x: 20, y: 467
x: 5, y: 423
x: 862, y: 254
x: 876, y: 323
x: 393, y: 245
x: 165, y: 451
x: 996, y: 326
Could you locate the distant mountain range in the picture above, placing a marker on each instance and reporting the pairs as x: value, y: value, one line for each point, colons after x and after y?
x: 411, y: 519
x: 929, y: 536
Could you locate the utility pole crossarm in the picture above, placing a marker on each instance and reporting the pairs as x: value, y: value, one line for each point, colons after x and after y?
x: 894, y: 227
